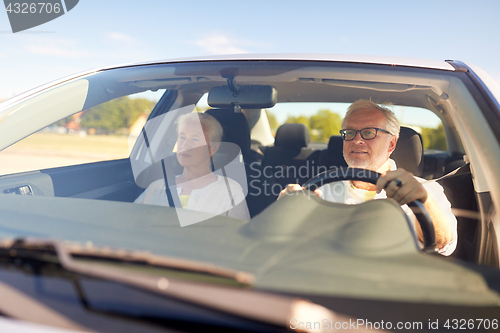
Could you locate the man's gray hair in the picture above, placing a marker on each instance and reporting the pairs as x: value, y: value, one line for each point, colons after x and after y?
x: 392, y: 122
x: 209, y: 124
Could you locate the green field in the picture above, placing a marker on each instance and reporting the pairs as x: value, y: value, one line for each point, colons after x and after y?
x: 94, y: 146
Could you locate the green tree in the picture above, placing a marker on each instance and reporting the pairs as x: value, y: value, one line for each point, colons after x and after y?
x: 434, y: 138
x: 116, y: 114
x: 300, y: 120
x: 324, y: 124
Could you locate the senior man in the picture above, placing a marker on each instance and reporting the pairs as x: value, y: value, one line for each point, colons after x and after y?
x: 370, y: 133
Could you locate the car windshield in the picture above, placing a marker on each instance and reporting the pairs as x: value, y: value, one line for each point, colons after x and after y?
x: 187, y: 160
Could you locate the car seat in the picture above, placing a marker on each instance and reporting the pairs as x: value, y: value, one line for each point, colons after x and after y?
x: 288, y: 161
x: 409, y: 152
x: 333, y: 155
x: 236, y: 131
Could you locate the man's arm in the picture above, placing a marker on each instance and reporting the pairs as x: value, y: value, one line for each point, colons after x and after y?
x: 411, y: 189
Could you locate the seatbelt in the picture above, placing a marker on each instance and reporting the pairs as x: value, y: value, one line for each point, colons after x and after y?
x: 167, y: 188
x: 464, y: 169
x: 458, y: 171
x: 168, y: 192
x: 224, y: 175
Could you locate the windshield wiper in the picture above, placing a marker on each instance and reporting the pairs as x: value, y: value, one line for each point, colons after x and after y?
x: 250, y: 304
x: 38, y: 249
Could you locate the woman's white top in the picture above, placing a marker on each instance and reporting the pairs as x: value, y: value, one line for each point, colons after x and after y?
x: 222, y: 197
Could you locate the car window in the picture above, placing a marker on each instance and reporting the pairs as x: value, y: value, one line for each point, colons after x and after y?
x: 426, y: 123
x: 324, y: 120
x: 104, y: 132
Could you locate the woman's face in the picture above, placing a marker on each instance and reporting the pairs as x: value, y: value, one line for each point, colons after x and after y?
x: 193, y: 145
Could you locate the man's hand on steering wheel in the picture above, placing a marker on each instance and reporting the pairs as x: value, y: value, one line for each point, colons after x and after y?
x: 412, y: 193
x: 401, y: 186
x: 292, y: 188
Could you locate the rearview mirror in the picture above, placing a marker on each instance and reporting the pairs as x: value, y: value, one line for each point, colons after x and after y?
x: 248, y: 96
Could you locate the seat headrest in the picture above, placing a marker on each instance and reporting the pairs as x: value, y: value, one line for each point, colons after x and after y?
x: 334, y: 155
x: 409, y: 152
x: 292, y: 136
x: 336, y: 145
x: 235, y: 127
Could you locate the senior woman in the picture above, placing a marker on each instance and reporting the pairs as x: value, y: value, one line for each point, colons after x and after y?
x: 198, y: 139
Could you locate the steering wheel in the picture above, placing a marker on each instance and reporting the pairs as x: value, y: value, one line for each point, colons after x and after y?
x: 338, y: 174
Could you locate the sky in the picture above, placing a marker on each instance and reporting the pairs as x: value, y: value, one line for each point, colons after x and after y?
x: 100, y: 33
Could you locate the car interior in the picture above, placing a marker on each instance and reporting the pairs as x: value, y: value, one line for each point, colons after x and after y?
x: 267, y: 162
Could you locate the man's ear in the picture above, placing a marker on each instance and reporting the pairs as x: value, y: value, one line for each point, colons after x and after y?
x: 392, y: 144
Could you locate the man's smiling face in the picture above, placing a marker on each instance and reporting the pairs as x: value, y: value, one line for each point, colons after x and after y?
x: 368, y: 154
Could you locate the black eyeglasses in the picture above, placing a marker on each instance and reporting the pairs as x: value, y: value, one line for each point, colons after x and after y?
x: 368, y: 133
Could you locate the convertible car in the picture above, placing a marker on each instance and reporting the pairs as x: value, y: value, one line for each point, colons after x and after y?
x: 78, y: 254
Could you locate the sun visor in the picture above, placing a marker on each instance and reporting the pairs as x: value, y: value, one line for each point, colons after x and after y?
x: 247, y: 96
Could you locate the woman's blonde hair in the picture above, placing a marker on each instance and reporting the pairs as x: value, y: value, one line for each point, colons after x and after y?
x: 209, y: 124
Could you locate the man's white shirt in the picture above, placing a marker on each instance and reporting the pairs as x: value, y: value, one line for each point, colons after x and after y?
x: 345, y: 192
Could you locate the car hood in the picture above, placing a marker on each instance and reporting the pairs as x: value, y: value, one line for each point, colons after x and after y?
x: 303, y: 252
